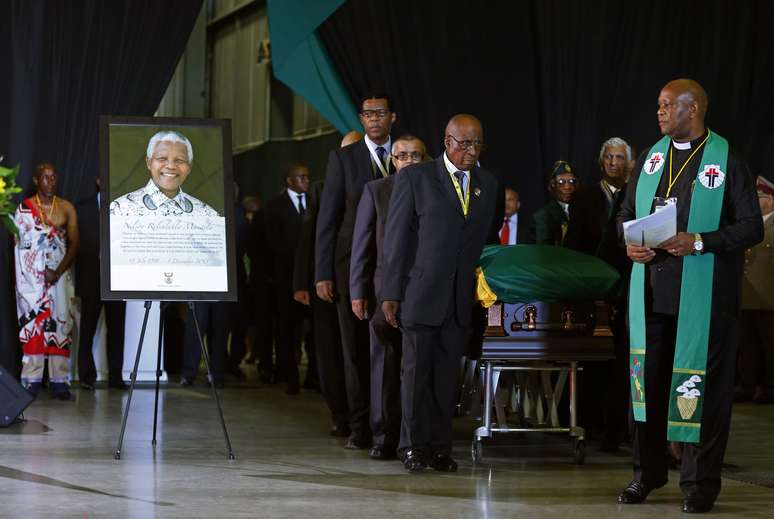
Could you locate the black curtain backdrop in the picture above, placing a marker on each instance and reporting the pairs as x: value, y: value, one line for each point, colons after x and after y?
x: 64, y: 64
x: 553, y: 79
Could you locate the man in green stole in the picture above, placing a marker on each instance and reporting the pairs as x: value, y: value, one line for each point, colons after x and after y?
x: 684, y: 298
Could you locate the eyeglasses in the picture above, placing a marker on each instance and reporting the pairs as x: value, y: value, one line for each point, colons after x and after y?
x: 406, y: 155
x: 563, y: 181
x: 466, y: 144
x: 371, y: 114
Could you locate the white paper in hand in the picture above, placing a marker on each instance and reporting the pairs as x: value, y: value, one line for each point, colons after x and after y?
x: 653, y: 229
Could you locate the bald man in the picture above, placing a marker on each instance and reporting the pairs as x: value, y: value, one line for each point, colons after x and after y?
x: 684, y: 297
x: 441, y: 213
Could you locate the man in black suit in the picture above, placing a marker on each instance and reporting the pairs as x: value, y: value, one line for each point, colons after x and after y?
x: 325, y: 320
x: 349, y: 169
x: 283, y: 219
x: 685, y: 166
x: 592, y: 230
x: 549, y: 224
x: 441, y: 214
x: 513, y: 229
x: 365, y: 287
x: 87, y: 286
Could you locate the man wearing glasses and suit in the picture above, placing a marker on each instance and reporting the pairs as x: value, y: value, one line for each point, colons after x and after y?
x: 349, y: 169
x: 441, y: 214
x: 550, y: 223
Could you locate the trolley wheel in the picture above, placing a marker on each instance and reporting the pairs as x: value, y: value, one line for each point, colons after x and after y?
x: 476, y: 451
x: 579, y: 451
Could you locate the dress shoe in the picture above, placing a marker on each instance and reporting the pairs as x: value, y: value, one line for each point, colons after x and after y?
x: 381, y: 452
x: 86, y: 386
x: 413, y: 461
x: 118, y: 384
x: 442, y: 463
x: 636, y: 493
x: 697, y: 505
x: 356, y: 442
x: 340, y: 431
x: 186, y: 382
x: 61, y: 391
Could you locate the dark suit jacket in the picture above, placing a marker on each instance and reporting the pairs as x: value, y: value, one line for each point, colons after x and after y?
x: 547, y: 224
x: 430, y: 248
x: 87, y: 261
x: 349, y: 169
x: 592, y: 228
x: 365, y: 274
x: 303, y: 266
x: 283, y: 229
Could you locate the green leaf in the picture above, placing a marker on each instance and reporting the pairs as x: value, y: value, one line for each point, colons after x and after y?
x: 10, y: 225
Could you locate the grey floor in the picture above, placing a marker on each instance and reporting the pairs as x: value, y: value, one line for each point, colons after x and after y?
x: 60, y: 464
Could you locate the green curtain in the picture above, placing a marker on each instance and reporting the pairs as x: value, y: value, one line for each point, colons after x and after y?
x: 300, y: 60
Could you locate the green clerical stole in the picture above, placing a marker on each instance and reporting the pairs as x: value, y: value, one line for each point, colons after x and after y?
x: 689, y: 371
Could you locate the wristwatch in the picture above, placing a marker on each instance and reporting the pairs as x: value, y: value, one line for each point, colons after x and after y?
x: 698, y: 244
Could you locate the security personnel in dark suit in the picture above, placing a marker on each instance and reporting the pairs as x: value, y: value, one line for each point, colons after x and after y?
x: 87, y: 286
x: 441, y: 214
x: 365, y: 284
x: 325, y: 320
x: 549, y: 224
x: 592, y: 230
x: 682, y: 105
x: 283, y: 219
x: 349, y: 169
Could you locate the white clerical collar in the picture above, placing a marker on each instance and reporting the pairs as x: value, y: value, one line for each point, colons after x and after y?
x: 682, y: 145
x: 451, y: 168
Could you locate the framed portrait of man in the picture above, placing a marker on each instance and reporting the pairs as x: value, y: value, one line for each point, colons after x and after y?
x: 166, y: 209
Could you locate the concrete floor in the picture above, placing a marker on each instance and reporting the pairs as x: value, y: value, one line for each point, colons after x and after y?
x: 60, y: 464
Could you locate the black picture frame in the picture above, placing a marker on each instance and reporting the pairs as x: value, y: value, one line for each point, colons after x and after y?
x: 217, y: 134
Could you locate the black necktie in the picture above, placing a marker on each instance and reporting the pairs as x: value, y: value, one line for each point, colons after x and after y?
x: 380, y: 151
x: 301, y: 208
x: 460, y: 176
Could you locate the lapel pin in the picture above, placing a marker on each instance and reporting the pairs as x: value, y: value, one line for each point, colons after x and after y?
x: 476, y: 191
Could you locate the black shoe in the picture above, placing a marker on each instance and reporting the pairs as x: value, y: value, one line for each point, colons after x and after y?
x: 697, y: 505
x: 442, y: 463
x: 636, y: 493
x: 118, y: 384
x: 63, y: 395
x: 382, y: 452
x: 86, y: 386
x: 413, y: 461
x: 186, y: 382
x: 356, y: 442
x: 340, y: 431
x: 291, y: 389
x: 265, y: 376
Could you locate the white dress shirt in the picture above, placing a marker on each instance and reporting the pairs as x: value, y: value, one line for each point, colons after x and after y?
x: 293, y: 195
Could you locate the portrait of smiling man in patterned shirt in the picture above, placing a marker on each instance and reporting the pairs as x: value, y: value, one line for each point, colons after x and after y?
x: 168, y: 158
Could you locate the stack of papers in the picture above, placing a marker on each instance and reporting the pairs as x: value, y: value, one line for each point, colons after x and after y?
x: 652, y: 230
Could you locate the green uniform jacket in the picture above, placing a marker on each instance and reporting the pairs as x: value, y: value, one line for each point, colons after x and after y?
x: 547, y: 224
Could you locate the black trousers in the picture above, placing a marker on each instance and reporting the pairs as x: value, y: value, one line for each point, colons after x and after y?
x: 385, y: 381
x: 213, y: 321
x: 115, y: 312
x: 289, y: 333
x: 431, y: 363
x: 701, y: 462
x: 756, y: 349
x: 265, y: 312
x: 330, y: 359
x: 357, y: 366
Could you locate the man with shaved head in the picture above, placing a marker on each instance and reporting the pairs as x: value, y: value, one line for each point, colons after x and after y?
x: 684, y: 297
x: 440, y: 216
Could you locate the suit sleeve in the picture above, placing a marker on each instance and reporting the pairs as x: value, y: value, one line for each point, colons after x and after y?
x: 396, y: 236
x: 540, y: 228
x: 499, y: 214
x: 303, y: 265
x: 329, y: 217
x: 362, y: 261
x: 742, y: 210
x: 628, y: 209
